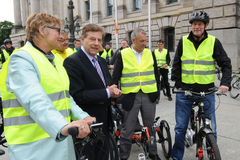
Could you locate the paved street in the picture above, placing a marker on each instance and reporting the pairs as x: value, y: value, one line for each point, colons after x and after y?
x: 228, y: 128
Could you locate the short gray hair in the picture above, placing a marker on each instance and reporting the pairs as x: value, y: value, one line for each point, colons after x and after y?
x: 136, y: 31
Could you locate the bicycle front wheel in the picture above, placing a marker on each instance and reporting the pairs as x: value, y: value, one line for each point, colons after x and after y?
x: 235, y: 87
x: 165, y: 139
x: 210, y: 148
x: 113, y: 149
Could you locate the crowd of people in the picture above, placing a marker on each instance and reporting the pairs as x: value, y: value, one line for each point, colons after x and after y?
x: 47, y: 87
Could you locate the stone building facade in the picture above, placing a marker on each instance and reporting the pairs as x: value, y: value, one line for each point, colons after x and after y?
x: 169, y: 19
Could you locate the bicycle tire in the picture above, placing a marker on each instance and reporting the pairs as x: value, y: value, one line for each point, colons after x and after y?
x: 219, y: 76
x: 165, y: 139
x: 235, y: 87
x: 113, y: 149
x: 211, y: 149
x: 218, y: 73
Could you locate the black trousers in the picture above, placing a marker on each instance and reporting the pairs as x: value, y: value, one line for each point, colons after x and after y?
x: 164, y: 80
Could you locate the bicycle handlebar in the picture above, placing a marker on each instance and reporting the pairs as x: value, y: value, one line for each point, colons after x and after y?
x: 199, y: 94
x: 73, y: 131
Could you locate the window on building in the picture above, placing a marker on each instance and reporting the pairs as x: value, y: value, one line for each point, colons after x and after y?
x: 169, y: 38
x: 87, y: 6
x: 129, y: 38
x: 107, y: 38
x: 171, y: 1
x: 21, y: 43
x: 137, y: 5
x: 109, y: 7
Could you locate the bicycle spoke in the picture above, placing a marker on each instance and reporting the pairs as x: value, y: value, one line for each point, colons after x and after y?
x: 235, y: 87
x: 165, y: 138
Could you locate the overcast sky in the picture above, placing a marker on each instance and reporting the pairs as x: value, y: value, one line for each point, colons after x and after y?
x: 6, y: 10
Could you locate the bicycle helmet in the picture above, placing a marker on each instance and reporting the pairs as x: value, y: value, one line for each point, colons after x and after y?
x: 7, y: 41
x: 200, y: 16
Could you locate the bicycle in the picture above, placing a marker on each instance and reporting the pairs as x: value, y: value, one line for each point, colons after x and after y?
x: 235, y: 85
x: 218, y: 72
x: 95, y: 135
x: 141, y: 135
x: 199, y: 129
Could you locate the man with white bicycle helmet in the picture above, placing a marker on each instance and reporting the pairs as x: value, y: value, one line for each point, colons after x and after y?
x: 194, y: 69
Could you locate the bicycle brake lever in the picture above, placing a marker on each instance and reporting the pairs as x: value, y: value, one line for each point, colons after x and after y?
x: 188, y: 93
x: 219, y: 93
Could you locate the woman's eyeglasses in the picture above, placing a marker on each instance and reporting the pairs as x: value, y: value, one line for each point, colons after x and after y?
x: 54, y: 27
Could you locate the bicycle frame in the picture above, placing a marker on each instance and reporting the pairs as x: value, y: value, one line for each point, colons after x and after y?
x: 235, y: 85
x: 96, y: 134
x: 199, y: 126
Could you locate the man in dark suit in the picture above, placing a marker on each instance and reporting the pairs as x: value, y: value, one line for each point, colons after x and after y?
x: 90, y: 84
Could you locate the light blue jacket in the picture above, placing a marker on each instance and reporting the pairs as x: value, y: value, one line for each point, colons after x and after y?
x: 23, y: 79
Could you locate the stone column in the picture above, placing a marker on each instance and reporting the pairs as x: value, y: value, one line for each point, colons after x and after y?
x: 96, y: 13
x: 43, y: 6
x: 24, y: 11
x: 35, y: 6
x: 56, y: 8
x: 50, y: 7
x: 61, y: 12
x: 17, y: 13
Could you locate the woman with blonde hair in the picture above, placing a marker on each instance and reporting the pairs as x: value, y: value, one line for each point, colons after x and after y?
x: 37, y: 107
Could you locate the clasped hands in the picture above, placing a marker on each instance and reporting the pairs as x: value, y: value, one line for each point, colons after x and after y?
x: 114, y: 91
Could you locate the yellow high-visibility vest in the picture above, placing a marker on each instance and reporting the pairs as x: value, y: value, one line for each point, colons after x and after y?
x: 6, y: 54
x: 198, y: 66
x: 19, y: 127
x: 67, y: 52
x: 75, y: 50
x: 135, y: 76
x: 105, y: 53
x: 161, y: 57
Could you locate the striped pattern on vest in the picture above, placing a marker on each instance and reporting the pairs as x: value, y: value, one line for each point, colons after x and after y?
x: 135, y: 76
x: 198, y: 66
x: 161, y: 57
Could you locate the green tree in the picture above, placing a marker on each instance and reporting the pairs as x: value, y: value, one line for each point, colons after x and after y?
x: 5, y: 30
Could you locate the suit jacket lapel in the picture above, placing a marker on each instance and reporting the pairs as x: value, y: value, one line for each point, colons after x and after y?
x: 90, y: 66
x: 104, y: 71
x: 87, y: 62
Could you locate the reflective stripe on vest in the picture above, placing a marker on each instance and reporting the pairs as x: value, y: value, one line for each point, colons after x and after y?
x: 161, y: 57
x: 19, y: 127
x: 135, y: 76
x: 198, y: 66
x: 12, y: 103
x: 14, y: 121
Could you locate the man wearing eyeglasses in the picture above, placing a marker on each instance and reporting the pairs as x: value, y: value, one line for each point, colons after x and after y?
x: 63, y: 50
